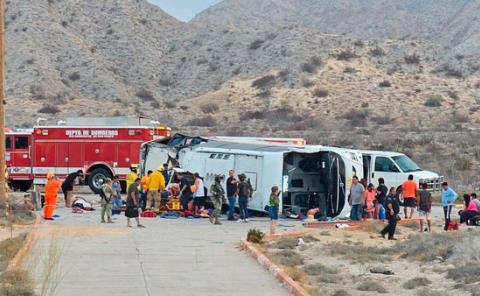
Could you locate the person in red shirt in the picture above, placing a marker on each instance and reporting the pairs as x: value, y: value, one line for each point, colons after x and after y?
x: 410, y: 190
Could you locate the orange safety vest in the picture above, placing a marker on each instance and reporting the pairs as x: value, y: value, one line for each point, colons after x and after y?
x: 51, y: 189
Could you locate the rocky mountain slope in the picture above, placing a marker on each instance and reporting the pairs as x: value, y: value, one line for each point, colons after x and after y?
x: 452, y: 23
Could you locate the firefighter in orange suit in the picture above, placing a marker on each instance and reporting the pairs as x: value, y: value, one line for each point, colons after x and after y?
x: 51, y: 190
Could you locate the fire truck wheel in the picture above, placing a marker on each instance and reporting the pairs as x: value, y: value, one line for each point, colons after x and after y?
x: 97, y: 178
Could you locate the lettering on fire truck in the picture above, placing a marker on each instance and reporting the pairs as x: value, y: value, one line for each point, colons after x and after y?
x: 91, y: 133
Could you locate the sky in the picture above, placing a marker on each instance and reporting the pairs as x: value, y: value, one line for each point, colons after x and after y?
x: 184, y: 10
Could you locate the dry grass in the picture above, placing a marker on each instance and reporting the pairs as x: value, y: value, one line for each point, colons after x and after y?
x: 371, y: 286
x: 296, y: 274
x: 340, y: 293
x: 466, y: 274
x: 425, y: 248
x: 10, y: 247
x: 287, y: 243
x: 289, y: 258
x: 319, y: 269
x: 416, y: 283
x: 16, y: 282
x: 52, y: 269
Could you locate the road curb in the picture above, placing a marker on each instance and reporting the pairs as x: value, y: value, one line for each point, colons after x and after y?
x: 27, y: 246
x: 274, y: 269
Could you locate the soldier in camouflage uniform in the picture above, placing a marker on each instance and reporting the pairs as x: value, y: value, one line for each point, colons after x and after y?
x: 218, y: 195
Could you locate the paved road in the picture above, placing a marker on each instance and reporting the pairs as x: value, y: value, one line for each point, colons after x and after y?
x: 169, y: 257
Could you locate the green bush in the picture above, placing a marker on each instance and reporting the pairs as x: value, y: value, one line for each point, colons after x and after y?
x: 434, y: 101
x: 255, y: 236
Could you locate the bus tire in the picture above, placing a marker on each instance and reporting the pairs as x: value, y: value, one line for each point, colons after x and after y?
x: 97, y: 178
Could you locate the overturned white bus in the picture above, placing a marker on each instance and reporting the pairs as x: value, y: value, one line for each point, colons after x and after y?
x: 312, y: 176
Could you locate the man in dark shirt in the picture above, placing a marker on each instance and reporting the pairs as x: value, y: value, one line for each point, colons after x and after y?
x: 232, y: 192
x: 382, y: 191
x: 133, y: 199
x: 67, y: 186
x: 392, y: 210
x: 186, y: 194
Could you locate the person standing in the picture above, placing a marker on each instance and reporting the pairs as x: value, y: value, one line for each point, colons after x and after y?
x: 410, y: 191
x: 67, y: 186
x: 448, y: 198
x: 369, y: 198
x: 133, y: 196
x: 186, y: 194
x: 117, y: 202
x: 144, y: 184
x: 107, y: 195
x: 382, y: 192
x: 218, y: 194
x: 425, y: 201
x: 199, y: 194
x: 132, y: 175
x: 156, y: 185
x: 274, y: 205
x: 243, y: 196
x: 51, y: 191
x: 232, y: 193
x: 356, y: 199
x: 393, y: 209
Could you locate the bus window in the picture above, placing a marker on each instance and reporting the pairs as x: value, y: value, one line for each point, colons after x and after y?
x: 8, y: 142
x: 21, y: 142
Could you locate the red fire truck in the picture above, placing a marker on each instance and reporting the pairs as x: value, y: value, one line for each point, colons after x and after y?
x: 101, y: 147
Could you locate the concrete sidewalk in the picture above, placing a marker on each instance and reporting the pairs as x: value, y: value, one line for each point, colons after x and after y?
x: 170, y: 257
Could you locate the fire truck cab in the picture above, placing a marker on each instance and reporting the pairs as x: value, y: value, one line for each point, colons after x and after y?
x: 101, y: 147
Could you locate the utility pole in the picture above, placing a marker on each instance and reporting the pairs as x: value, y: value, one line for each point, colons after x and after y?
x: 3, y: 193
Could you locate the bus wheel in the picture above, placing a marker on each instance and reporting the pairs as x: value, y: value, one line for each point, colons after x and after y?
x: 97, y: 179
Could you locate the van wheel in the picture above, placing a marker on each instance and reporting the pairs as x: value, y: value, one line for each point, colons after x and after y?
x: 23, y: 186
x: 400, y: 195
x: 97, y: 179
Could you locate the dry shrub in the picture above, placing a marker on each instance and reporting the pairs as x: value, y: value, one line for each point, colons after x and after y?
x: 340, y: 293
x: 296, y: 274
x: 256, y: 44
x: 145, y: 95
x: 252, y: 115
x: 10, y: 247
x: 466, y: 274
x: 463, y: 163
x: 416, y: 283
x: 460, y: 117
x: 428, y: 247
x: 319, y: 269
x: 434, y: 101
x: 371, y: 286
x: 16, y: 282
x: 207, y: 121
x: 52, y: 273
x: 255, y: 236
x: 385, y: 83
x: 412, y: 59
x: 377, y: 52
x: 312, y: 65
x: 286, y: 243
x: 289, y: 258
x: 320, y: 92
x: 49, y: 109
x: 359, y: 253
x: 266, y: 81
x: 382, y: 120
x: 356, y: 117
x: 209, y: 108
x: 307, y: 83
x: 170, y: 104
x: 346, y: 55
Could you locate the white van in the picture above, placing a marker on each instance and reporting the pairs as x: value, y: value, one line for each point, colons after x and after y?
x: 395, y: 168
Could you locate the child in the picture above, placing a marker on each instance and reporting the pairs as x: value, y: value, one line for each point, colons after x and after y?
x: 117, y: 197
x: 273, y: 209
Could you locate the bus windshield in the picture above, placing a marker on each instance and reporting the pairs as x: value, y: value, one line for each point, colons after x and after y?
x: 406, y: 164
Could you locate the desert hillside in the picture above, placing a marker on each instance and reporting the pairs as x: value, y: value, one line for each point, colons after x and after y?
x: 396, y: 75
